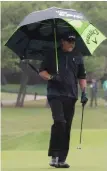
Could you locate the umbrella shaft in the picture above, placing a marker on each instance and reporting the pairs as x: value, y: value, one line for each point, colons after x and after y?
x: 56, y: 53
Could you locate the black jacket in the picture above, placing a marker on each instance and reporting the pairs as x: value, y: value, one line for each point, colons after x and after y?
x: 71, y: 68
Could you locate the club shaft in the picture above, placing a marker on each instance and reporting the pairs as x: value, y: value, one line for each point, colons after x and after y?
x: 34, y: 68
x: 81, y: 124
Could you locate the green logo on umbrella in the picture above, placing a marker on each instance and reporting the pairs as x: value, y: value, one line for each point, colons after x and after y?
x: 91, y: 36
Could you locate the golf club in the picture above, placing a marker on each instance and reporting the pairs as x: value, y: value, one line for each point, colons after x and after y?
x: 33, y: 68
x: 79, y: 147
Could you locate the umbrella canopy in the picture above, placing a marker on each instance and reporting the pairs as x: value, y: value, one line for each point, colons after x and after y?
x: 42, y: 30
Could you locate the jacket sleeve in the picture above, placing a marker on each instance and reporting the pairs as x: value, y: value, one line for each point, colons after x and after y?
x: 81, y: 69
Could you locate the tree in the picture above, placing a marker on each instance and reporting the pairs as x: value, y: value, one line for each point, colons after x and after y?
x: 24, y: 80
x: 95, y: 66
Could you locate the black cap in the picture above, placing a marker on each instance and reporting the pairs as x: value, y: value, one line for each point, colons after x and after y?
x: 69, y: 37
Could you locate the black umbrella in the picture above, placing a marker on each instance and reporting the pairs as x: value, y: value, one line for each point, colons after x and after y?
x: 41, y: 31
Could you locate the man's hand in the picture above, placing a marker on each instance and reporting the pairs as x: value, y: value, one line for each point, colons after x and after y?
x: 55, y: 77
x: 84, y: 98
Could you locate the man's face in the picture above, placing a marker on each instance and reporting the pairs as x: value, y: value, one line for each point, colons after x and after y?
x: 67, y: 45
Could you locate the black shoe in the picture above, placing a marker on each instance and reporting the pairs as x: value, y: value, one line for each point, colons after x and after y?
x: 62, y: 165
x: 53, y: 162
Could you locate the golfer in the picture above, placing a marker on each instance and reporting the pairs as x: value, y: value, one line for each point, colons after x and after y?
x: 62, y: 94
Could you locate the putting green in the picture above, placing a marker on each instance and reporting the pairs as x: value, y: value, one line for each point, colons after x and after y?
x: 89, y: 158
x: 25, y: 138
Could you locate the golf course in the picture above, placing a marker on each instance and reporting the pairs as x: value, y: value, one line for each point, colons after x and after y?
x: 64, y: 44
x: 26, y: 133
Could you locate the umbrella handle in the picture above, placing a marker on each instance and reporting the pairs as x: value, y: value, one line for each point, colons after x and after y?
x: 56, y: 52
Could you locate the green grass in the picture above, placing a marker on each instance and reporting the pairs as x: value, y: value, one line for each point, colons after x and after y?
x: 39, y: 88
x: 30, y: 89
x: 25, y: 139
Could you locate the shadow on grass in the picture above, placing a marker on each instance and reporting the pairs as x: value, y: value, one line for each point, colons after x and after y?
x: 73, y: 168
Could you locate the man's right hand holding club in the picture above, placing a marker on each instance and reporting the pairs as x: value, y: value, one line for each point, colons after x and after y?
x: 55, y: 77
x: 46, y: 76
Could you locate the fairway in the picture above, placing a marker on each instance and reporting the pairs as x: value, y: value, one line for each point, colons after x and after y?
x: 25, y: 139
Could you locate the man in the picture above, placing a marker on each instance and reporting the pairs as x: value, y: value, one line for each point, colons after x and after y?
x: 105, y: 91
x: 93, y: 93
x: 62, y: 94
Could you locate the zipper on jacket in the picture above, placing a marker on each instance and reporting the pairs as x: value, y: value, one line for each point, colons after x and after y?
x: 66, y: 62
